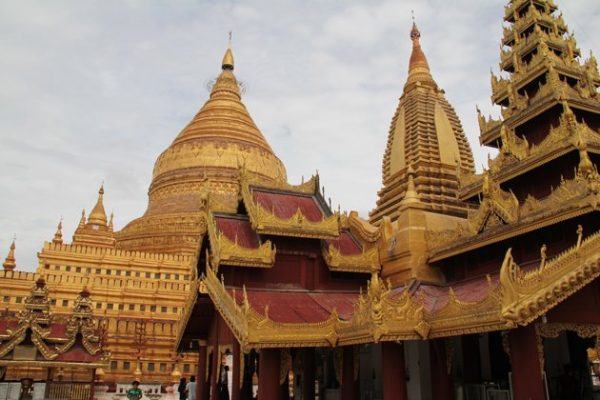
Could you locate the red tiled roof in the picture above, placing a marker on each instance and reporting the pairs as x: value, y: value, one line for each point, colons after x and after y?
x: 301, y: 306
x: 78, y: 354
x: 436, y: 297
x: 7, y: 324
x: 285, y: 205
x: 58, y: 330
x: 234, y: 226
x: 346, y: 244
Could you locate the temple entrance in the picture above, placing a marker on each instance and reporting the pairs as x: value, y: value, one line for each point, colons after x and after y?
x: 569, y: 353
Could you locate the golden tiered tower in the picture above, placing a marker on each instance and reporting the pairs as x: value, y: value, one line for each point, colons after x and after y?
x: 426, y: 143
x: 426, y: 153
x: 206, y: 156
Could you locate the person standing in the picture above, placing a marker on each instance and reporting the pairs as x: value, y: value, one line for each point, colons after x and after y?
x: 134, y: 393
x: 191, y: 388
x: 181, y: 389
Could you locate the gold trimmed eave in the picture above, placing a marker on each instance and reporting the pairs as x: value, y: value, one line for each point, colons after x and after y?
x: 572, y: 198
x: 517, y: 157
x: 365, y: 262
x: 298, y: 225
x: 490, y: 129
x: 528, y: 295
x: 227, y: 252
x: 255, y: 330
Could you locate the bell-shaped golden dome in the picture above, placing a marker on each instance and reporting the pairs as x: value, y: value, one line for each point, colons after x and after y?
x: 206, y: 156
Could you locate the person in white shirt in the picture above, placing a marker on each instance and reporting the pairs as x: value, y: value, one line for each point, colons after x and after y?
x: 191, y: 388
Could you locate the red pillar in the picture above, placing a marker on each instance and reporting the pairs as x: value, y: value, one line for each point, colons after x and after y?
x: 269, y: 365
x: 235, y: 374
x: 201, y: 372
x: 394, y: 371
x: 216, y: 362
x: 348, y: 384
x: 308, y: 374
x: 442, y: 386
x: 527, y: 380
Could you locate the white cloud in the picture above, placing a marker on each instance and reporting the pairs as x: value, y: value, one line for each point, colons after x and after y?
x: 94, y: 91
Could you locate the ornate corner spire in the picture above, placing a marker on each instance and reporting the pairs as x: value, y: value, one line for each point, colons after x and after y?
x: 58, y: 234
x: 10, y: 261
x: 82, y: 219
x: 228, y: 57
x: 98, y: 215
x: 411, y: 196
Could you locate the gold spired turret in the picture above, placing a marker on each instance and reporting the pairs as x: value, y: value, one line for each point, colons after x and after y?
x: 425, y: 135
x: 207, y: 156
x: 10, y: 263
x: 96, y: 231
x: 57, y: 239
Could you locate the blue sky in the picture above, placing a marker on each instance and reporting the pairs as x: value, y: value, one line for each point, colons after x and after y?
x: 93, y: 91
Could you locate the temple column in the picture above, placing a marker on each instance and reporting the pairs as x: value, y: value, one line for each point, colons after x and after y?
x: 269, y: 366
x: 527, y: 379
x: 201, y: 371
x: 308, y: 374
x: 348, y: 384
x: 442, y: 386
x: 216, y: 362
x: 394, y: 371
x: 235, y: 374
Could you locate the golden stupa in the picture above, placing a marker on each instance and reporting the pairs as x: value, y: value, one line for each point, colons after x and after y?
x: 207, y: 156
x: 426, y: 143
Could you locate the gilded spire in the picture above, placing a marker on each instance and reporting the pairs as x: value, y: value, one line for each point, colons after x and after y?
x: 10, y: 261
x: 228, y: 57
x: 426, y: 144
x: 418, y: 67
x: 98, y: 215
x: 58, y: 234
x: 82, y: 219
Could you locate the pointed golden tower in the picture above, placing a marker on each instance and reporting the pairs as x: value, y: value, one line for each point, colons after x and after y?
x: 425, y: 135
x: 548, y: 98
x: 96, y: 231
x: 206, y: 157
x: 58, y: 234
x: 10, y: 263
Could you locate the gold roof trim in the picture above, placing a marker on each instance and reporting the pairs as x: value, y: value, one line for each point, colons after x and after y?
x: 310, y: 186
x: 266, y: 222
x: 226, y: 251
x: 366, y: 262
x: 460, y: 318
x: 379, y: 317
x: 255, y: 330
x: 527, y: 295
x: 360, y: 227
x: 517, y: 157
x: 572, y: 197
x: 497, y: 203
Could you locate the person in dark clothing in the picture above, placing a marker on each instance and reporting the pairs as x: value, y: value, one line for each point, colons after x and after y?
x: 182, y: 389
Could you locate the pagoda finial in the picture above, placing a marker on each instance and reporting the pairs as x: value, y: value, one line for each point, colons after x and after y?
x: 98, y: 215
x: 418, y: 67
x: 10, y: 261
x: 415, y: 34
x: 58, y: 234
x: 228, y: 57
